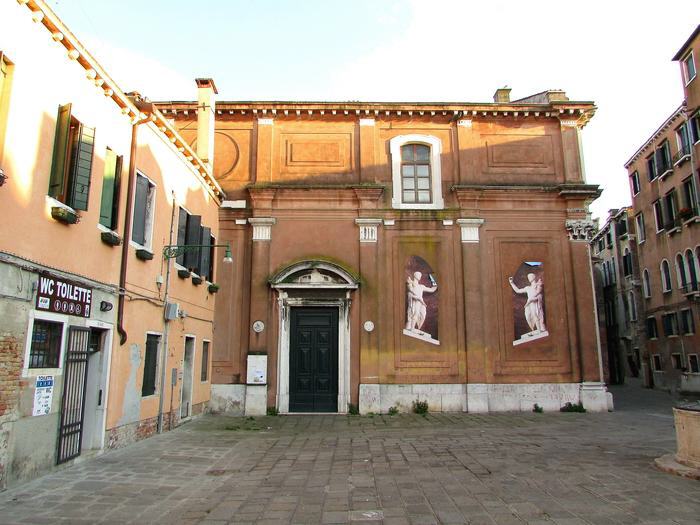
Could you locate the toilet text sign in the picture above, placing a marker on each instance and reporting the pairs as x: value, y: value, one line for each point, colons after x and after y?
x: 63, y: 297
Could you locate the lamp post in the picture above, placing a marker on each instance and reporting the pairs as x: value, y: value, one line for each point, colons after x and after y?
x: 171, y: 251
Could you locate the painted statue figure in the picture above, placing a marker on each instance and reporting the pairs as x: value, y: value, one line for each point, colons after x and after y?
x: 534, y: 307
x: 415, y: 311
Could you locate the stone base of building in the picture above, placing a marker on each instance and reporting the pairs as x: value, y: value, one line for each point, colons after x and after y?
x: 483, y: 398
x: 229, y: 399
x: 124, y: 435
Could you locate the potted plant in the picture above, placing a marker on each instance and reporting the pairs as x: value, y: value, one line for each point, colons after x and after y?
x: 64, y: 215
x: 110, y: 238
x: 196, y: 280
x: 144, y: 254
x: 182, y: 273
x: 213, y: 288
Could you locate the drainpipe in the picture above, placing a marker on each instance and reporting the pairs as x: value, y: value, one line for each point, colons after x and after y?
x: 147, y: 108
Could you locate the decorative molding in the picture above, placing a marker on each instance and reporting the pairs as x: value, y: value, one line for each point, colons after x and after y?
x: 366, y: 122
x: 447, y: 222
x: 465, y: 123
x: 368, y: 229
x: 239, y: 204
x: 262, y: 228
x: 470, y: 229
x: 569, y: 123
x: 389, y: 222
x: 580, y: 229
x: 241, y: 221
x: 266, y: 121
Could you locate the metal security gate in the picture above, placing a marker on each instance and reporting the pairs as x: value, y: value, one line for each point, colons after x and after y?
x: 70, y: 431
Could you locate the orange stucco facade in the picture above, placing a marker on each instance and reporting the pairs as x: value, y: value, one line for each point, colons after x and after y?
x: 316, y: 184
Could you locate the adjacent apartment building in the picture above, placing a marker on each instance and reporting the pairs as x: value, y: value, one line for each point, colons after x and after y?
x: 395, y: 252
x: 615, y: 259
x: 94, y: 184
x: 663, y: 176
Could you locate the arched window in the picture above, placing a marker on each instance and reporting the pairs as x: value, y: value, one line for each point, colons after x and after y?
x: 692, y: 270
x: 646, y: 283
x: 416, y: 172
x: 680, y: 271
x: 665, y: 276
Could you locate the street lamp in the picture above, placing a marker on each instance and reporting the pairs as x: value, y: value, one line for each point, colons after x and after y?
x: 171, y: 251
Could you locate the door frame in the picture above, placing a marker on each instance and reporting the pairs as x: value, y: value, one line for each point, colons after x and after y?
x: 182, y: 385
x: 283, y: 370
x: 103, y: 381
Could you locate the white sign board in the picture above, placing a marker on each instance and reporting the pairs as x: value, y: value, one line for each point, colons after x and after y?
x: 43, y: 395
x: 257, y: 370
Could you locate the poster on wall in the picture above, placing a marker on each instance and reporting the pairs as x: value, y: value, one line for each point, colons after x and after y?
x: 421, y: 301
x: 43, y: 395
x: 529, y: 310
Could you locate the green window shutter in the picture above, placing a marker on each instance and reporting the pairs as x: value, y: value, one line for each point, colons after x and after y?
x: 205, y: 254
x: 82, y: 168
x: 181, y: 234
x: 138, y: 232
x: 108, y: 190
x: 60, y: 152
x: 194, y: 225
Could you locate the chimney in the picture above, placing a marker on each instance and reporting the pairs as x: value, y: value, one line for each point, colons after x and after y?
x: 502, y: 96
x: 206, y: 112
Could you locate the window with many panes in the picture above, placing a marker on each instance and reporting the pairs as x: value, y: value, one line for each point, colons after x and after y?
x: 71, y: 166
x: 109, y: 204
x: 144, y: 203
x: 205, y: 361
x: 641, y: 232
x: 634, y: 182
x: 687, y: 322
x: 45, y: 350
x: 150, y: 365
x: 415, y: 174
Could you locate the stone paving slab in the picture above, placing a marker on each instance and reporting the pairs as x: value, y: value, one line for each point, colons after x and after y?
x: 565, y: 469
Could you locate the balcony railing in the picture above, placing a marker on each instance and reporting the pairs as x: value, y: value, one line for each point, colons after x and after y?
x: 673, y: 225
x: 682, y: 155
x: 664, y: 169
x: 691, y: 288
x: 688, y: 214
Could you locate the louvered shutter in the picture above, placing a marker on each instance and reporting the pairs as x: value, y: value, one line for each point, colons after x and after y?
x: 60, y: 152
x: 194, y: 225
x: 205, y: 256
x: 138, y: 231
x: 181, y: 234
x: 108, y: 190
x: 82, y: 168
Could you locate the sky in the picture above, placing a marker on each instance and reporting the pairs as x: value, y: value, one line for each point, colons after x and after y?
x: 615, y: 53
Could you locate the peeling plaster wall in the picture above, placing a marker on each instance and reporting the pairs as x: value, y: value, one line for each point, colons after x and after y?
x: 131, y: 407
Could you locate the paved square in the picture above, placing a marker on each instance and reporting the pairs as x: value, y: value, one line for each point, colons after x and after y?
x: 565, y: 469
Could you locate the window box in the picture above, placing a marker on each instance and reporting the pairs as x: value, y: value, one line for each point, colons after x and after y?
x: 183, y: 273
x: 213, y: 288
x: 144, y: 254
x: 197, y: 280
x: 110, y: 238
x: 65, y: 215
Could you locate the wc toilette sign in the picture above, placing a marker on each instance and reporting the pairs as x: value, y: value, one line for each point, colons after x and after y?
x: 63, y: 297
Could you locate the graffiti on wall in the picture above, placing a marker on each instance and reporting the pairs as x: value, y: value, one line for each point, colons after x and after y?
x: 421, y: 301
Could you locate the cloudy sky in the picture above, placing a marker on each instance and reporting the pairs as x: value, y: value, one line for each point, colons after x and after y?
x: 616, y: 53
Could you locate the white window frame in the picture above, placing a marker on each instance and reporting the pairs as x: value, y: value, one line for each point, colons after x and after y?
x: 435, y: 146
x: 697, y: 360
x: 684, y: 62
x: 682, y: 328
x: 157, y: 389
x: 150, y: 217
x: 666, y: 285
x: 45, y: 316
x: 657, y: 202
x: 208, y: 379
x: 639, y: 224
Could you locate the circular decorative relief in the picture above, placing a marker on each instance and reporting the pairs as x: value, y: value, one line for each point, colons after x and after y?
x: 258, y: 326
x: 226, y: 154
x: 369, y: 326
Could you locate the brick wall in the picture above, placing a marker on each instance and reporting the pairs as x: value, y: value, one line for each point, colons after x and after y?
x: 10, y: 374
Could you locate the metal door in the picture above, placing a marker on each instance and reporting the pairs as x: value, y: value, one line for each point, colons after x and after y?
x: 70, y: 431
x: 313, y: 367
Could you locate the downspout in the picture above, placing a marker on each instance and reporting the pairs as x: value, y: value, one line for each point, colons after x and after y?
x: 127, y: 215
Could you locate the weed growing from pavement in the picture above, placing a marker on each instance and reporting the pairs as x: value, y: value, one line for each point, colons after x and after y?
x: 393, y: 411
x: 572, y: 407
x: 537, y: 409
x: 420, y: 407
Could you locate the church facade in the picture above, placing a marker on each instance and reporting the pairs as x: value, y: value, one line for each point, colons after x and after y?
x: 388, y: 253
